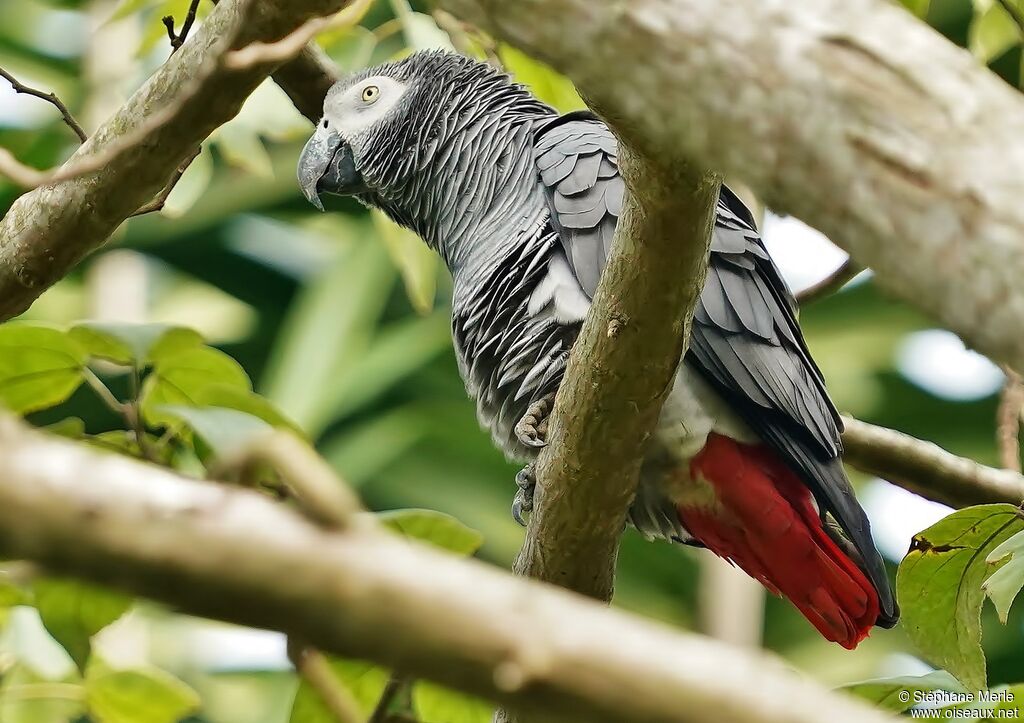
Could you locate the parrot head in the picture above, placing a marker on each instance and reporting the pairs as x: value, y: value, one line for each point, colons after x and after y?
x: 393, y: 132
x: 354, y: 112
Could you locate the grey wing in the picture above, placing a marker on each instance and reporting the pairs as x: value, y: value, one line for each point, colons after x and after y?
x: 746, y: 340
x: 576, y: 156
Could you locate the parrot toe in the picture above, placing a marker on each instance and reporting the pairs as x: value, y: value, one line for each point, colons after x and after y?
x: 532, y: 429
x: 523, y: 501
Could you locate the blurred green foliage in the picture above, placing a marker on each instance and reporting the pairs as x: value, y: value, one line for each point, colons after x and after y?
x: 341, y: 322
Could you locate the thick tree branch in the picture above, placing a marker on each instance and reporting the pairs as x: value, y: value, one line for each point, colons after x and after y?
x: 927, y: 469
x: 364, y: 593
x: 850, y: 114
x: 50, y: 229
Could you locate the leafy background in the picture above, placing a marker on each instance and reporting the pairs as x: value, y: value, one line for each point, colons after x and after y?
x: 341, y: 321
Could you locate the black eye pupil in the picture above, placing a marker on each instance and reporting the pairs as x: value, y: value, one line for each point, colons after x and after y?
x: 325, y: 122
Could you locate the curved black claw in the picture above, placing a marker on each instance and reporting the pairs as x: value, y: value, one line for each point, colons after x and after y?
x: 532, y: 429
x: 523, y: 501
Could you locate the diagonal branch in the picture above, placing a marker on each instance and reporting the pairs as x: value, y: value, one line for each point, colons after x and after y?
x: 367, y: 594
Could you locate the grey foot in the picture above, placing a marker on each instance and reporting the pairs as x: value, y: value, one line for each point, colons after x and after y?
x: 523, y: 502
x: 532, y: 429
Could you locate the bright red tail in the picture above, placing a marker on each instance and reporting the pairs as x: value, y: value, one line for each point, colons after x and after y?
x: 748, y: 507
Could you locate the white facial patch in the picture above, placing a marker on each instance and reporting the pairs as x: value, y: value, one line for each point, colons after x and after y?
x: 360, y: 106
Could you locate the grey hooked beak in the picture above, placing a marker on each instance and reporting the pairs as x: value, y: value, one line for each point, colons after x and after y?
x: 327, y: 165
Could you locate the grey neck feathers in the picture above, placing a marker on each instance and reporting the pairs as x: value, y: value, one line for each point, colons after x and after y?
x: 457, y: 168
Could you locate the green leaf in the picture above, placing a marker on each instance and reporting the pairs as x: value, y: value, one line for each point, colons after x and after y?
x: 897, y: 694
x: 364, y: 681
x: 436, y: 528
x: 137, y: 344
x: 137, y: 696
x: 231, y: 397
x: 939, y: 585
x: 546, y: 83
x: 415, y: 261
x: 224, y: 430
x: 328, y: 328
x: 73, y: 612
x: 436, y: 704
x: 400, y: 350
x: 992, y: 33
x: 1004, y: 584
x: 71, y: 427
x: 40, y: 366
x: 27, y: 697
x: 182, y: 378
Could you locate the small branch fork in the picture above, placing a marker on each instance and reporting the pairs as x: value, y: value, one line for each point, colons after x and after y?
x: 190, y: 18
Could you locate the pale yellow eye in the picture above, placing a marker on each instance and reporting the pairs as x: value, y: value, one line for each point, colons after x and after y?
x: 370, y: 93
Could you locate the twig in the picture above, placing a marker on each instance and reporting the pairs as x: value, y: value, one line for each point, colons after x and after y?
x: 103, y: 392
x: 292, y: 44
x: 830, y: 284
x: 1015, y: 13
x: 158, y: 203
x: 178, y: 40
x: 392, y: 689
x: 1011, y: 401
x: 323, y: 496
x: 50, y: 98
x: 279, y: 51
x: 315, y: 670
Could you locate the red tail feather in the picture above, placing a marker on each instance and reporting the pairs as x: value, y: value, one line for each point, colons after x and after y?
x: 748, y: 507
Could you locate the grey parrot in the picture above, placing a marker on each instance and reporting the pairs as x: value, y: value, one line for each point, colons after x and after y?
x: 521, y: 204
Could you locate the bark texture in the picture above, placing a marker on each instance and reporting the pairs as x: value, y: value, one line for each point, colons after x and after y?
x: 362, y: 592
x: 850, y: 114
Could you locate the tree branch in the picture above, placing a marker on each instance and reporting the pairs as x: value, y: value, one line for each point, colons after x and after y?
x: 830, y: 284
x: 620, y: 371
x: 367, y: 594
x: 313, y: 667
x: 926, y: 469
x: 50, y: 229
x: 849, y: 114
